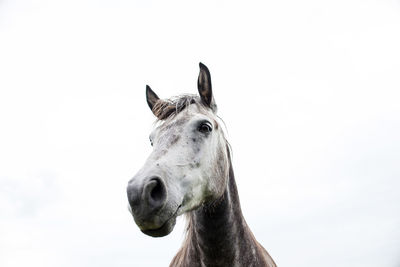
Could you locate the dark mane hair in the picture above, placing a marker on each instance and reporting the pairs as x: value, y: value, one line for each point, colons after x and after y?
x: 166, y: 108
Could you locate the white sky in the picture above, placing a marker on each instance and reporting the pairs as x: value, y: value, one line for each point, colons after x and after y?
x: 309, y: 91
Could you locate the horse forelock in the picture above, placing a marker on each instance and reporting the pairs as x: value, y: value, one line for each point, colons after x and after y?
x: 168, y: 108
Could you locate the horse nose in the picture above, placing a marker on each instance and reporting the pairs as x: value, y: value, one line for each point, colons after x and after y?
x: 149, y: 197
x: 134, y: 192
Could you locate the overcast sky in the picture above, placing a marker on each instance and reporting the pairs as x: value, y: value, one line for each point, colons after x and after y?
x: 309, y: 92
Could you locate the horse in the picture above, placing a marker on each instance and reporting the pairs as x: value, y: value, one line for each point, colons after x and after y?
x: 190, y: 172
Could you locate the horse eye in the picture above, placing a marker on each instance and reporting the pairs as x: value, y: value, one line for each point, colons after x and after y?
x: 151, y: 142
x: 205, y: 127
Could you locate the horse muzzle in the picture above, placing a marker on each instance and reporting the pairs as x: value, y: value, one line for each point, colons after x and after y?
x: 148, y: 200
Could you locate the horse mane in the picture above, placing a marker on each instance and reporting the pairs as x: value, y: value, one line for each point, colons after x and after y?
x: 168, y: 108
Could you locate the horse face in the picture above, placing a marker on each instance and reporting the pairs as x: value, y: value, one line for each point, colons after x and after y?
x: 187, y: 167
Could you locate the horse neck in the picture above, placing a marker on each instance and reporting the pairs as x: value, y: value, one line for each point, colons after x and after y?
x: 218, y: 234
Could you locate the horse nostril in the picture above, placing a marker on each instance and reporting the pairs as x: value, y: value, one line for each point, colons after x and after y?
x: 155, y: 192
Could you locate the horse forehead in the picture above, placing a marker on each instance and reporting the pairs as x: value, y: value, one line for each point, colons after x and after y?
x: 175, y: 124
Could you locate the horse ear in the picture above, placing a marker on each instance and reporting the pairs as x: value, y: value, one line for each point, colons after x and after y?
x: 151, y: 97
x: 204, y: 87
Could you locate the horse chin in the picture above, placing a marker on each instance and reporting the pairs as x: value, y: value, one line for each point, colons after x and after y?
x: 164, y: 230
